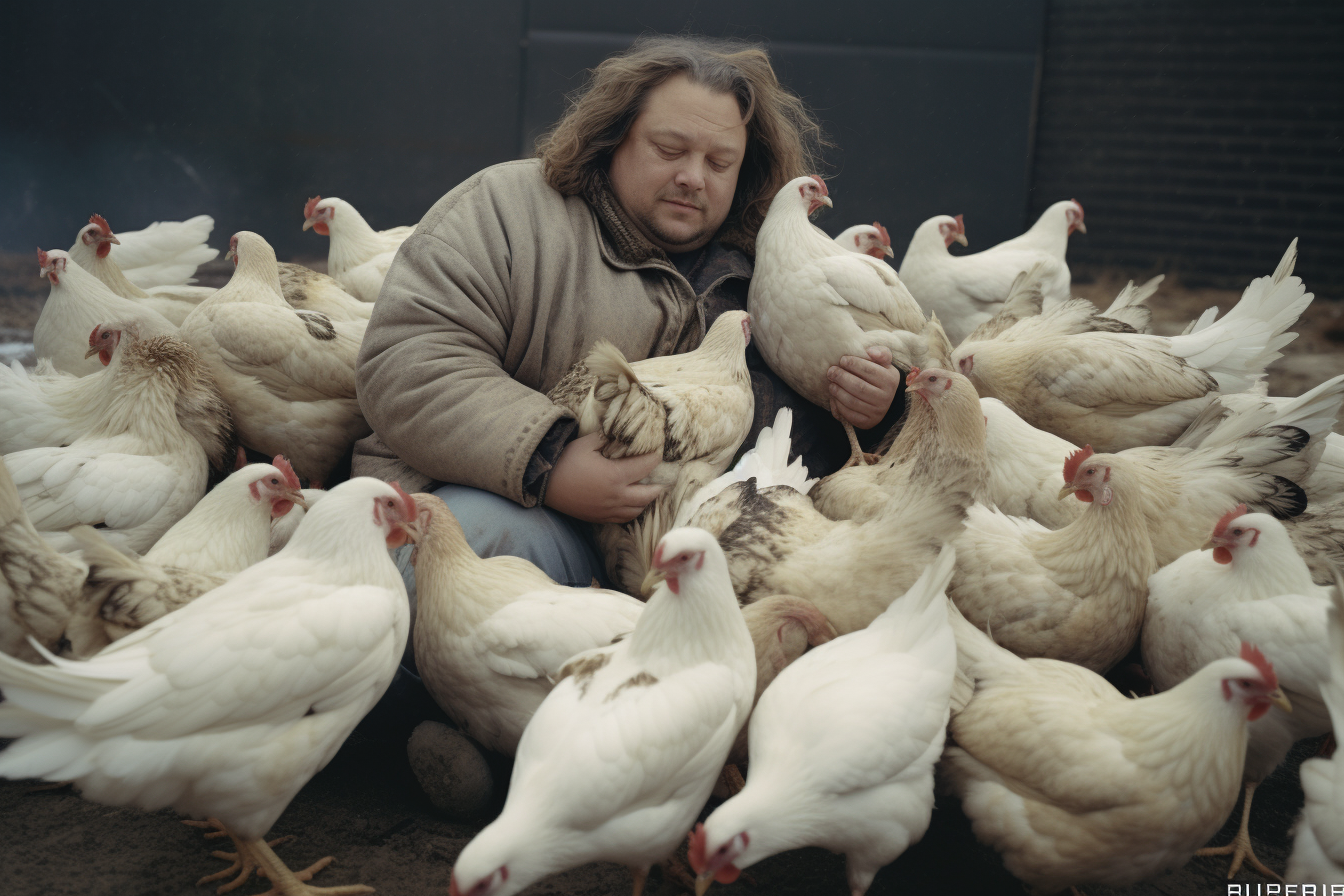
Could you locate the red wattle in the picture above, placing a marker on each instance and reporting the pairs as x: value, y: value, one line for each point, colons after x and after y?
x: 103, y: 249
x: 727, y: 874
x: 398, y: 538
x: 1258, y: 710
x: 1222, y: 555
x: 280, y: 507
x: 322, y: 228
x: 1084, y: 496
x: 105, y: 356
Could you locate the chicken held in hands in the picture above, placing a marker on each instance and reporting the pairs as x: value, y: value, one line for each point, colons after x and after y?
x: 491, y: 635
x: 813, y: 303
x: 1252, y: 582
x: 1117, y: 390
x: 694, y: 409
x: 288, y: 375
x: 359, y: 256
x: 843, y: 745
x: 227, y: 707
x: 623, y: 752
x: 1074, y: 783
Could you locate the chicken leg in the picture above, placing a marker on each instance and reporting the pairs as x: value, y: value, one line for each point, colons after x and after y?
x: 857, y: 456
x: 257, y: 855
x: 1240, y: 848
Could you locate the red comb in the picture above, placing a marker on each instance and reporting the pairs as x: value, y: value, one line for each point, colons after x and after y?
x: 1079, y: 204
x: 1251, y: 654
x: 102, y: 224
x: 311, y: 206
x: 94, y: 334
x: 910, y: 377
x: 1075, y: 461
x: 886, y: 237
x: 961, y: 225
x: 283, y: 465
x: 695, y: 852
x: 821, y: 183
x: 42, y: 257
x: 1226, y: 519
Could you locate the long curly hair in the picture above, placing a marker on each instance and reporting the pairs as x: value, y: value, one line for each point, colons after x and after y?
x: 783, y: 140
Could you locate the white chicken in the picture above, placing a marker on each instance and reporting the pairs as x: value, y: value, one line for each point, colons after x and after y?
x: 288, y: 375
x: 1252, y: 582
x: 166, y: 253
x: 491, y: 634
x: 1117, y: 390
x: 843, y: 745
x: 813, y: 302
x: 307, y: 290
x: 967, y: 290
x: 1074, y: 783
x: 225, y: 708
x: 91, y: 252
x: 136, y: 471
x: 359, y: 256
x: 695, y: 408
x: 866, y: 239
x: 1318, y: 847
x: 624, y: 751
x: 79, y: 302
x: 282, y: 529
x: 227, y: 531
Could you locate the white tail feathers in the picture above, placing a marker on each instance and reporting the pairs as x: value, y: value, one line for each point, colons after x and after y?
x: 1128, y: 306
x: 924, y: 595
x: 166, y: 253
x: 628, y: 414
x: 767, y: 463
x: 1236, y: 349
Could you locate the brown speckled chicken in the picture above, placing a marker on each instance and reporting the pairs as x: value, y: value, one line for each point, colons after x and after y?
x: 696, y: 408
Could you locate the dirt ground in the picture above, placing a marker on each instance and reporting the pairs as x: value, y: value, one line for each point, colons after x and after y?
x: 368, y: 811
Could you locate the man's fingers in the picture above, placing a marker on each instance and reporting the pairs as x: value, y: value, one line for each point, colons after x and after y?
x: 640, y: 465
x: 879, y: 354
x: 866, y: 370
x: 857, y: 387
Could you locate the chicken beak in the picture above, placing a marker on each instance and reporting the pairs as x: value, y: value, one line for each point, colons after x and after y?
x: 702, y: 884
x: 652, y: 579
x: 889, y: 252
x: 1066, y: 491
x: 308, y: 222
x: 961, y: 238
x: 91, y: 352
x: 413, y: 530
x: 231, y: 254
x: 296, y: 497
x: 826, y: 201
x: 1080, y: 227
x: 1279, y: 699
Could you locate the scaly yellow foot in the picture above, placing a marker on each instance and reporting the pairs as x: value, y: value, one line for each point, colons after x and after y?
x: 1240, y: 848
x: 257, y: 855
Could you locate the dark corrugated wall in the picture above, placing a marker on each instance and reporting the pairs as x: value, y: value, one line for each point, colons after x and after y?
x: 1200, y: 137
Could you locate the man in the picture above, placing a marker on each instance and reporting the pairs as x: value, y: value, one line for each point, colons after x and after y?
x: 634, y: 225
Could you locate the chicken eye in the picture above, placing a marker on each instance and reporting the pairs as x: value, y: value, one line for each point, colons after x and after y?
x: 274, y: 481
x: 933, y: 379
x: 1237, y: 531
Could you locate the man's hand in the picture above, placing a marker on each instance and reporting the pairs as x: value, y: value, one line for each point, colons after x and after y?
x: 586, y: 485
x: 862, y: 388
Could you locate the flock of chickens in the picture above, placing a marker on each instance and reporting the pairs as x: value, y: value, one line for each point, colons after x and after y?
x: 1066, y: 487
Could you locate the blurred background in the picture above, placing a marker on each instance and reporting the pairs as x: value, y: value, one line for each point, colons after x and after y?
x: 1201, y: 137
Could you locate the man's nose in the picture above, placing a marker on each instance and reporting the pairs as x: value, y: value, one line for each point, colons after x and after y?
x: 691, y: 175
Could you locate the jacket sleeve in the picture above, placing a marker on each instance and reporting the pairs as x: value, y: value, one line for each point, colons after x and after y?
x: 431, y: 378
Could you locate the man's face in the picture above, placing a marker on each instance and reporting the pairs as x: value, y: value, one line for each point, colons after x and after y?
x: 675, y: 172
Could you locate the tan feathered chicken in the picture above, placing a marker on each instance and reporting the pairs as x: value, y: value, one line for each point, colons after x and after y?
x: 1117, y: 390
x: 359, y: 256
x: 48, y: 408
x: 696, y: 408
x: 943, y: 431
x: 166, y: 253
x: 1073, y: 783
x: 288, y: 375
x: 307, y: 290
x: 813, y: 302
x: 92, y: 252
x: 77, y: 303
x: 137, y: 471
x: 491, y: 634
x: 227, y: 531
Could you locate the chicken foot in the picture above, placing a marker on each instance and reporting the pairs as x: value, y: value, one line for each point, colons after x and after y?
x: 258, y: 855
x: 1240, y: 848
